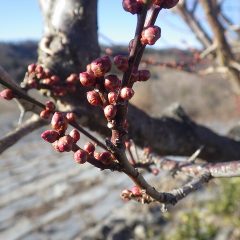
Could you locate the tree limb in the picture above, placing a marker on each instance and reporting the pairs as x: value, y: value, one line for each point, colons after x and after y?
x: 28, y: 127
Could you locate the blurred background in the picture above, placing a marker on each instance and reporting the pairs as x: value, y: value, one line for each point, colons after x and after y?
x: 44, y: 195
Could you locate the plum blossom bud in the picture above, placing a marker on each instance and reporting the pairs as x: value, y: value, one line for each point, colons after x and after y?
x: 132, y: 6
x: 39, y: 69
x: 31, y: 68
x: 143, y: 75
x: 87, y: 79
x: 112, y: 97
x: 150, y: 35
x: 71, y: 117
x: 100, y: 66
x: 104, y: 157
x: 136, y: 191
x: 94, y: 98
x: 110, y: 111
x: 126, y: 195
x: 80, y: 156
x: 121, y: 62
x: 111, y: 82
x: 73, y: 78
x: 45, y: 114
x: 65, y: 143
x: 7, y: 94
x: 75, y: 135
x: 50, y: 136
x: 31, y: 83
x: 50, y: 106
x: 59, y: 122
x: 126, y: 93
x: 89, y: 147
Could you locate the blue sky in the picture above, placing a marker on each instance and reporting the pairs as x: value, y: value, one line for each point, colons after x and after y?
x: 21, y: 20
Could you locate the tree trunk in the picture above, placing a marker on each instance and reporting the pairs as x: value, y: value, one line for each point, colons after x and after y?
x: 70, y: 38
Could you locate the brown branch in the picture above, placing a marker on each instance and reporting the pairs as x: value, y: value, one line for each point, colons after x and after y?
x: 194, y: 25
x: 28, y: 127
x: 224, y: 53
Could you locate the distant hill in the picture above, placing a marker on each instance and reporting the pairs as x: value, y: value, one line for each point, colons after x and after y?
x: 14, y: 57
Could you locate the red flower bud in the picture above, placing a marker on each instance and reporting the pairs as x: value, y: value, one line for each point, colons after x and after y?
x: 94, y: 98
x: 112, y: 97
x: 144, y: 75
x: 126, y: 93
x: 7, y: 94
x: 39, y: 69
x: 121, y: 62
x: 150, y: 35
x: 136, y: 191
x: 132, y: 6
x: 110, y: 111
x: 80, y: 156
x: 87, y: 79
x: 104, y: 157
x: 59, y: 122
x: 71, y: 117
x: 89, y: 147
x: 65, y: 143
x: 31, y: 68
x: 111, y: 82
x: 73, y: 78
x: 100, y: 66
x: 50, y: 106
x: 50, y: 136
x: 75, y: 135
x: 45, y: 114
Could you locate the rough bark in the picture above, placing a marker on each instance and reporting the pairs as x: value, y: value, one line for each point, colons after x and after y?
x: 70, y: 39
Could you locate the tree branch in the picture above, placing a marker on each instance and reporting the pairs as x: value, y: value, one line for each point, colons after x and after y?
x: 29, y: 126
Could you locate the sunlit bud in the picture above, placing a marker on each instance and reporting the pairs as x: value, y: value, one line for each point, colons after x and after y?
x: 65, y: 143
x: 50, y: 106
x: 31, y: 68
x: 59, y: 122
x: 110, y: 111
x: 45, y: 114
x: 132, y: 6
x: 94, y: 98
x: 126, y: 93
x: 100, y: 66
x: 150, y: 35
x: 73, y: 78
x: 89, y: 147
x: 71, y: 117
x: 87, y: 79
x: 136, y: 191
x: 112, y: 97
x: 75, y: 135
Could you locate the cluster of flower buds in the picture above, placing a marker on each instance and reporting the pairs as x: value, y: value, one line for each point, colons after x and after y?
x: 49, y: 109
x: 136, y: 6
x: 7, y: 94
x: 135, y: 192
x: 40, y: 78
x: 63, y: 142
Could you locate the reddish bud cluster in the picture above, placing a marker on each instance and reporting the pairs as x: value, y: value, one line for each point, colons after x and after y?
x: 40, y: 78
x: 104, y: 157
x: 50, y: 136
x: 100, y: 66
x: 80, y: 156
x: 7, y: 94
x: 93, y: 98
x: 89, y: 147
x: 64, y: 144
x: 75, y: 135
x: 134, y: 192
x: 150, y: 35
x: 110, y: 111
